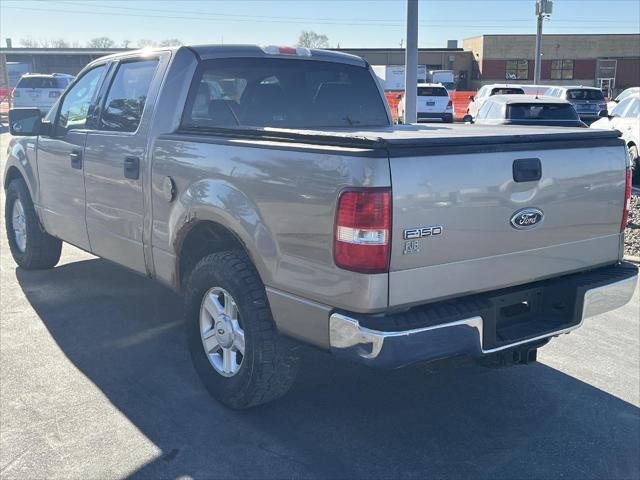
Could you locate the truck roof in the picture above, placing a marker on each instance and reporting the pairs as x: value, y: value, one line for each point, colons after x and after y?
x: 209, y: 52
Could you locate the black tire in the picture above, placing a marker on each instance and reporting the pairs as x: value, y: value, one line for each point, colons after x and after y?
x: 635, y: 164
x: 42, y: 250
x: 270, y: 362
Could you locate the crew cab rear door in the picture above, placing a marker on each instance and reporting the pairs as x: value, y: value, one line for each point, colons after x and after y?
x: 116, y: 165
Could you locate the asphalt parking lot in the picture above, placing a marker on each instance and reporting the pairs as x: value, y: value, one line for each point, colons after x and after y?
x: 96, y: 382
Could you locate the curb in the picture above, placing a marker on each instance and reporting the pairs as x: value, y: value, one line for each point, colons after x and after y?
x: 632, y: 258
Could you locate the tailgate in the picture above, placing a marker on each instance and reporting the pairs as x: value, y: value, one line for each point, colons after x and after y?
x: 463, y: 224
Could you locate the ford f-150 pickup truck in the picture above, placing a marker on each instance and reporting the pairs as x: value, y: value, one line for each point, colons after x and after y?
x: 270, y: 187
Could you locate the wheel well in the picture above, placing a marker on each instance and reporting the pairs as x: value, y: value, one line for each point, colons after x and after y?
x: 12, y: 174
x: 202, y: 239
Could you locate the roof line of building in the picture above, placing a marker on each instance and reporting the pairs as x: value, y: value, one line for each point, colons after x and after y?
x: 555, y: 35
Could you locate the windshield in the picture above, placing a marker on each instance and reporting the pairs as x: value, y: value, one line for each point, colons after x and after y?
x: 287, y: 93
x: 584, y: 94
x: 42, y: 82
x: 626, y: 93
x: 507, y: 91
x: 432, y: 92
x: 538, y: 111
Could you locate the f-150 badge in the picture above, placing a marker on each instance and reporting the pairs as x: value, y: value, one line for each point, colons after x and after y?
x: 421, y: 232
x: 412, y: 237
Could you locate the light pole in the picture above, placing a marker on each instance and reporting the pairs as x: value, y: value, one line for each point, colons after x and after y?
x: 543, y: 9
x: 411, y: 63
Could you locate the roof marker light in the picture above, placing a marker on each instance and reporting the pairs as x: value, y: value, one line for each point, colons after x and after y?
x: 275, y: 50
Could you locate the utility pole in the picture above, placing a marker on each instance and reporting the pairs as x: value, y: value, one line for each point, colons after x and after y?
x: 543, y: 9
x: 411, y: 64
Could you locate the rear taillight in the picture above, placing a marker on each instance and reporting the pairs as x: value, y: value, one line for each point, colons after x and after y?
x: 54, y: 94
x: 627, y: 200
x: 15, y: 93
x: 362, y: 231
x: 450, y: 104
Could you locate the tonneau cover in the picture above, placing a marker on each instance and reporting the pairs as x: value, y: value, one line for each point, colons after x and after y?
x: 416, y: 136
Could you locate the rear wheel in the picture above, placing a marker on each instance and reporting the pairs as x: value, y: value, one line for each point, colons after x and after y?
x: 234, y: 345
x: 635, y: 164
x: 31, y: 247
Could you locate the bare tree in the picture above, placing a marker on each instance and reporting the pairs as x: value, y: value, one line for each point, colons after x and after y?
x: 101, y: 42
x: 28, y: 42
x: 59, y: 43
x: 311, y: 39
x: 171, y: 42
x: 145, y: 42
x: 125, y: 43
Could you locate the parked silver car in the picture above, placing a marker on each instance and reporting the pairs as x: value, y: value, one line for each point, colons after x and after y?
x: 588, y: 101
x: 37, y: 90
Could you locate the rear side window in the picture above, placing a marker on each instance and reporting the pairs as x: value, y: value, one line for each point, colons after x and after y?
x: 288, y: 93
x: 495, y: 112
x: 432, y: 92
x: 578, y: 94
x: 537, y: 111
x: 42, y: 82
x: 507, y: 91
x: 127, y: 96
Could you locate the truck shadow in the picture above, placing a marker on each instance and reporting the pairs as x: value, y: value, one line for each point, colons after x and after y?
x: 125, y: 334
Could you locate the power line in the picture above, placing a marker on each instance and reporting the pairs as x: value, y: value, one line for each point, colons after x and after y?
x: 249, y: 19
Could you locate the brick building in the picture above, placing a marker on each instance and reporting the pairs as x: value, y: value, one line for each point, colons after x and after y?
x: 608, y: 60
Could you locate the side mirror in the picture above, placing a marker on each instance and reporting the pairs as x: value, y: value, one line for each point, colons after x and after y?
x: 467, y: 119
x: 604, y: 114
x: 25, y: 122
x: 472, y: 98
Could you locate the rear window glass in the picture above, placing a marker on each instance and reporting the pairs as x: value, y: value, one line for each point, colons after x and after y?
x: 289, y: 93
x: 579, y: 94
x: 432, y: 92
x: 537, y: 111
x: 507, y: 91
x: 42, y: 82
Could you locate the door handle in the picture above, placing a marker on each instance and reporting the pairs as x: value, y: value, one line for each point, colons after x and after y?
x: 76, y: 159
x: 132, y: 168
x: 527, y: 170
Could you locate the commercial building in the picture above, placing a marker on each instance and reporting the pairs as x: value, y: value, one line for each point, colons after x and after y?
x: 452, y: 58
x: 608, y: 61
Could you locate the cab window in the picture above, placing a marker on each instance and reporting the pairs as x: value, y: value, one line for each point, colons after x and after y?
x: 620, y: 108
x: 77, y: 101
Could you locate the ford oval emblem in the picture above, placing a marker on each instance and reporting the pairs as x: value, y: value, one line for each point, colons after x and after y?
x: 527, y: 218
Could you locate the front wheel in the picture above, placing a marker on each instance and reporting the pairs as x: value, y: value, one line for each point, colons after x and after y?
x: 31, y: 247
x: 234, y: 345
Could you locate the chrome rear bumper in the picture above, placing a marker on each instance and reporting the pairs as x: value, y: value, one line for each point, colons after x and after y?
x: 391, y: 349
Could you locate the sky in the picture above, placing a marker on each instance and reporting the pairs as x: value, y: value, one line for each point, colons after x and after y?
x: 358, y: 23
